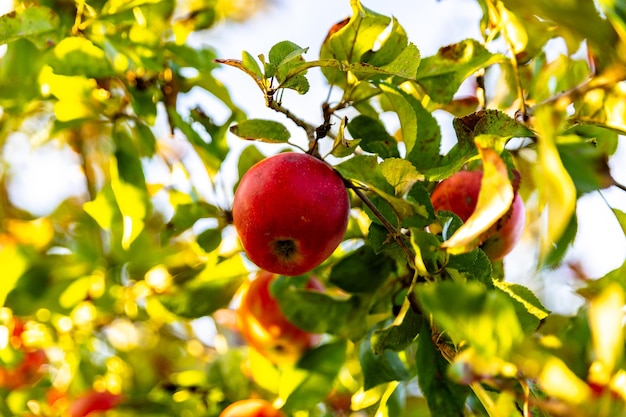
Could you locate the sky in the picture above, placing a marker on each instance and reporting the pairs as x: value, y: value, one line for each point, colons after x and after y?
x: 430, y: 24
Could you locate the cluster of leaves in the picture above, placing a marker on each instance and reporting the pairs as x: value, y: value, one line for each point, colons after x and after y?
x: 113, y: 282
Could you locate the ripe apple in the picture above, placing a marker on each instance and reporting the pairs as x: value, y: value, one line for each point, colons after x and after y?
x: 265, y: 327
x: 459, y: 194
x: 252, y: 407
x: 291, y: 212
x: 93, y: 401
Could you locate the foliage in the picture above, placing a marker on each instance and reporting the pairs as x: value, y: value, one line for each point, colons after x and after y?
x: 120, y: 286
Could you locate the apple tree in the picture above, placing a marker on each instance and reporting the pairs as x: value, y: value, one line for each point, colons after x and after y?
x: 134, y: 295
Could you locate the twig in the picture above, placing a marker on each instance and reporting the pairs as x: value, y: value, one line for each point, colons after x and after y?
x: 620, y: 186
x: 398, y: 237
x: 308, y: 128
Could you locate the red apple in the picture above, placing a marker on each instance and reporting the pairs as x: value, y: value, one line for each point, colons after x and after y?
x: 459, y: 194
x: 253, y: 407
x: 291, y: 212
x: 265, y: 327
x: 92, y: 402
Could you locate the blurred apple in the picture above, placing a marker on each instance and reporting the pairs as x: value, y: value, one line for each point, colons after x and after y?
x: 265, y: 327
x: 93, y: 401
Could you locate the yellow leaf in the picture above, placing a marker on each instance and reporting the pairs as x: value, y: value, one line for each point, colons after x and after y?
x: 14, y: 264
x: 557, y: 193
x: 73, y: 94
x: 558, y: 381
x: 494, y: 199
x: 37, y: 233
x: 606, y: 323
x: 132, y: 204
x: 101, y: 209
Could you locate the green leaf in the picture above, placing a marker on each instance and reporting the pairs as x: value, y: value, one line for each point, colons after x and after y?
x: 296, y: 82
x: 364, y: 169
x: 399, y: 334
x: 529, y: 309
x: 283, y: 53
x: 287, y: 65
x: 268, y: 131
x: 302, y: 307
x: 420, y: 130
x: 36, y: 288
x: 79, y: 56
x: 368, y: 46
x: 488, y: 122
x: 226, y: 371
x: 251, y: 65
x: 469, y: 313
x: 362, y: 271
x: 309, y: 383
x: 373, y: 136
x: 186, y: 215
x: 378, y: 369
x: 210, y: 239
x: 410, y: 212
x: 127, y: 155
x: 19, y: 75
x: 202, y: 59
x: 389, y: 49
x: 35, y: 23
x: 380, y: 239
x: 218, y: 147
x: 401, y: 174
x: 211, y: 290
x: 207, y: 152
x: 355, y: 39
x: 429, y: 257
x: 442, y: 74
x: 472, y: 266
x: 406, y: 64
x: 445, y: 398
x: 586, y: 164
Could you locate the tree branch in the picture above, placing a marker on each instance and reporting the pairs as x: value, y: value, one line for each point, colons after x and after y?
x: 397, y: 235
x: 308, y: 128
